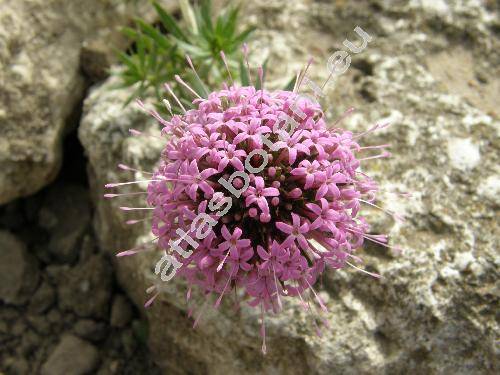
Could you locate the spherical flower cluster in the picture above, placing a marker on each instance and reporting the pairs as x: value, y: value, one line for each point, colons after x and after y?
x: 255, y: 193
x: 255, y: 205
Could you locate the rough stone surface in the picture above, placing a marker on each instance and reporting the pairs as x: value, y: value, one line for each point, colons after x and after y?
x: 66, y: 215
x: 435, y: 309
x: 43, y: 298
x: 31, y: 327
x: 90, y: 329
x: 121, y: 312
x: 72, y: 356
x: 41, y: 81
x: 18, y: 270
x: 85, y: 289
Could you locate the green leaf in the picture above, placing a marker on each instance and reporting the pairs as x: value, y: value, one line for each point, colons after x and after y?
x: 152, y: 58
x: 127, y: 61
x: 157, y: 56
x: 230, y: 26
x: 188, y: 15
x: 219, y: 24
x: 289, y: 86
x: 240, y: 38
x: 169, y: 22
x: 196, y: 84
x: 141, y: 53
x: 186, y: 103
x: 245, y: 81
x: 154, y: 34
x: 206, y: 14
x: 137, y: 93
x: 130, y: 33
x: 194, y: 51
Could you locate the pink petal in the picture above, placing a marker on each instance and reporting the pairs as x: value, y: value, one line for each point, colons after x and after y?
x: 224, y: 246
x: 295, y: 220
x: 193, y: 168
x: 259, y: 183
x: 262, y: 203
x: 240, y: 138
x: 289, y: 241
x: 207, y: 189
x: 324, y: 204
x: 285, y: 228
x: 298, y: 171
x: 225, y: 233
x: 270, y: 192
x: 309, y: 181
x: 237, y: 163
x: 208, y: 172
x: 321, y: 192
x: 250, y: 199
x: 318, y: 223
x: 302, y: 148
x: 292, y: 155
x: 243, y: 243
x: 223, y: 164
x: 304, y: 228
x: 192, y: 191
x: 314, y: 208
x: 262, y: 253
x: 302, y: 242
x: 237, y: 233
x: 245, y: 266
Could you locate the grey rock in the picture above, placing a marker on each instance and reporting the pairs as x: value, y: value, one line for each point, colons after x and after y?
x: 86, y: 288
x: 90, y: 329
x: 11, y: 217
x: 18, y: 270
x: 54, y: 316
x: 96, y: 59
x: 40, y: 324
x: 71, y: 356
x: 40, y: 45
x: 18, y: 328
x: 109, y: 367
x: 3, y: 326
x: 43, y: 298
x: 65, y: 214
x: 88, y: 247
x: 29, y: 343
x: 121, y: 312
x: 128, y: 341
x: 9, y: 313
x: 437, y: 300
x: 19, y: 366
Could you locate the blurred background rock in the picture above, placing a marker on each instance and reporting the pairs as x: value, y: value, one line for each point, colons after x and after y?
x: 68, y: 307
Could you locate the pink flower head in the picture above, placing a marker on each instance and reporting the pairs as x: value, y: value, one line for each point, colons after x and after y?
x: 256, y: 208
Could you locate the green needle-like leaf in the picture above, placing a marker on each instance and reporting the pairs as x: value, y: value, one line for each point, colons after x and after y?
x: 156, y: 55
x: 245, y: 81
x: 289, y: 86
x: 169, y: 23
x: 150, y: 31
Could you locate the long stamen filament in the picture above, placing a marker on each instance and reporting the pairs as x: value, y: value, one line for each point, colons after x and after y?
x: 127, y: 168
x: 223, y: 56
x: 179, y: 79
x: 388, y: 212
x: 376, y: 275
x: 167, y: 86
